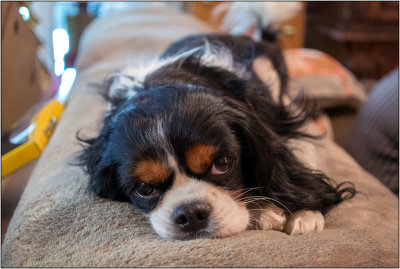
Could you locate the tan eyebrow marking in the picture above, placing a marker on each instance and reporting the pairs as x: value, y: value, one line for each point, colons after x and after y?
x: 151, y: 171
x: 199, y: 157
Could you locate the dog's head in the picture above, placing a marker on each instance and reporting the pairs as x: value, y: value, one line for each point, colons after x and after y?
x: 189, y: 147
x: 173, y: 152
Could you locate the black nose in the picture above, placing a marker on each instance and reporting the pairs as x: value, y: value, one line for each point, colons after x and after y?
x: 192, y: 216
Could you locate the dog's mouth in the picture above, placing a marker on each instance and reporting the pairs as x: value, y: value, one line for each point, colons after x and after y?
x: 208, y: 232
x: 198, y: 210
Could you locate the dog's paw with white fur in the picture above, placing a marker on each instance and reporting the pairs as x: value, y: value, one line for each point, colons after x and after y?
x: 305, y: 222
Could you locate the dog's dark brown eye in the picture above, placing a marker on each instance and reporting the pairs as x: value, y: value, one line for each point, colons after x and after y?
x: 145, y: 190
x: 221, y: 166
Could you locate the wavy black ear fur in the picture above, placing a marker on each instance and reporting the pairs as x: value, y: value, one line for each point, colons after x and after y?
x: 276, y: 172
x: 263, y: 128
x: 102, y: 169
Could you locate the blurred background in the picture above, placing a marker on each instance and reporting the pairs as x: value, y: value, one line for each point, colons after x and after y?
x: 40, y: 41
x: 362, y: 36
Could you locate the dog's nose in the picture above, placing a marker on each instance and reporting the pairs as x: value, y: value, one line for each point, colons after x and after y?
x: 192, y: 216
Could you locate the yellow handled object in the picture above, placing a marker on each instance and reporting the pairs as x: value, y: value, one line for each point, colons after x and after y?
x: 40, y: 129
x: 44, y: 124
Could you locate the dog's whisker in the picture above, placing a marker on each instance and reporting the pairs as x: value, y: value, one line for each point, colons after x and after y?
x: 244, y: 191
x: 261, y: 198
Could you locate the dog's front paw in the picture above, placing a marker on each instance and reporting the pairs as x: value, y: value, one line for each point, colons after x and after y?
x: 304, y: 222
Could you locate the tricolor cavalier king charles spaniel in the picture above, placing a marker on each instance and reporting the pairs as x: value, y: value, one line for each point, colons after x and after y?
x: 200, y: 143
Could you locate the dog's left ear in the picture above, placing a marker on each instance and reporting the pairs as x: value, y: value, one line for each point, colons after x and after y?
x: 277, y: 173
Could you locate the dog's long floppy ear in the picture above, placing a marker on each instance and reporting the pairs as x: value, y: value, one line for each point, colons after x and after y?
x: 274, y: 170
x: 101, y: 168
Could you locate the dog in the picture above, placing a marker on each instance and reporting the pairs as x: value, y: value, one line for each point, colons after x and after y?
x: 200, y: 143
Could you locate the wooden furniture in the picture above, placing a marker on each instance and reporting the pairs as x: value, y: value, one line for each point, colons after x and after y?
x: 203, y: 11
x: 361, y: 35
x: 292, y: 30
x: 76, y: 25
x: 23, y: 74
x: 20, y: 78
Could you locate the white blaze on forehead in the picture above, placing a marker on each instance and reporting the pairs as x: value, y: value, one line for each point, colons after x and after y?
x: 160, y: 129
x: 179, y: 179
x: 155, y: 134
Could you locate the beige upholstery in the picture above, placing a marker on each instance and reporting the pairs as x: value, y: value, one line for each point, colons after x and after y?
x: 59, y: 223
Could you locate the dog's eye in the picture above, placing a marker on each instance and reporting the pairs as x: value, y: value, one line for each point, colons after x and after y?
x: 145, y: 190
x: 221, y: 166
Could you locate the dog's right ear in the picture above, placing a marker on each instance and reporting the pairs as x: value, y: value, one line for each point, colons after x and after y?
x: 104, y: 182
x: 99, y: 165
